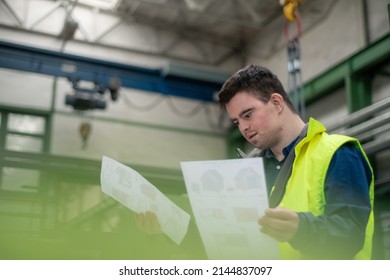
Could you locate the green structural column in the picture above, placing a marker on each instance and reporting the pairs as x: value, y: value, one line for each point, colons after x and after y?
x: 3, y: 128
x: 358, y: 88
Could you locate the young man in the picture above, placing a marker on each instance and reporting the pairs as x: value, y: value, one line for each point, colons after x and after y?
x: 326, y: 208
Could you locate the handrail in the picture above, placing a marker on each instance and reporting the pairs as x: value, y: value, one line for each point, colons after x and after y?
x: 377, y: 145
x: 371, y: 125
x: 360, y: 115
x: 368, y: 125
x: 370, y: 134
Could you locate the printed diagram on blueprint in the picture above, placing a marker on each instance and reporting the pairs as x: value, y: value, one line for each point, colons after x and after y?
x: 227, y: 198
x: 136, y: 193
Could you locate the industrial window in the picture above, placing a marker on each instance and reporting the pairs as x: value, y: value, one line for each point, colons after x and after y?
x: 23, y: 132
x: 26, y: 123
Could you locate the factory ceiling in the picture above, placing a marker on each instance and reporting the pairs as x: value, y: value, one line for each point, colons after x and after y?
x: 216, y: 30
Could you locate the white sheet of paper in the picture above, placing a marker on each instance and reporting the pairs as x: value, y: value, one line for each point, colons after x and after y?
x: 227, y: 198
x: 128, y: 187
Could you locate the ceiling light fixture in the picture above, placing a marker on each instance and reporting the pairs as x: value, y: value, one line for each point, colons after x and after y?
x: 197, y: 5
x: 102, y: 4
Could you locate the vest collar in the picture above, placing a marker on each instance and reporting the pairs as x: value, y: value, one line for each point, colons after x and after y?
x: 314, y: 128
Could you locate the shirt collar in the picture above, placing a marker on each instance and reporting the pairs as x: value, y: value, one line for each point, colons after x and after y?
x: 286, y: 150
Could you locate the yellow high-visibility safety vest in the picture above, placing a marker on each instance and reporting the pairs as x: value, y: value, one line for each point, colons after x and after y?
x: 305, y: 187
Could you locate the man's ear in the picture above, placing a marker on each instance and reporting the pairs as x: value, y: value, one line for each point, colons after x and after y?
x: 277, y: 101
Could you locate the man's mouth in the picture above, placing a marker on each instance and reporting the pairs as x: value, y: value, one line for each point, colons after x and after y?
x: 250, y: 136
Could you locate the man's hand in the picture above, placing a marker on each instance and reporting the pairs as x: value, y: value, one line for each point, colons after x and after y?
x: 148, y: 222
x: 279, y: 223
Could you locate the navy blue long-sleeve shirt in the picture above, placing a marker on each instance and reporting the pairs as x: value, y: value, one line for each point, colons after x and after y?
x: 339, y: 233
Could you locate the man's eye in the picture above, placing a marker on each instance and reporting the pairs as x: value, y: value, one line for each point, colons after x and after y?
x: 235, y: 123
x: 247, y: 116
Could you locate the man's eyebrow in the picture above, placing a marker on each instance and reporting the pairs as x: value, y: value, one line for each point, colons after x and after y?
x: 242, y: 113
x: 245, y: 111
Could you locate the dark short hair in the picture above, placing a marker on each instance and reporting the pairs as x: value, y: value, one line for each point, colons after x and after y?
x: 256, y: 80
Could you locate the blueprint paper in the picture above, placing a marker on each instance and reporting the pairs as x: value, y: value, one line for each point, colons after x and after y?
x: 132, y: 190
x: 227, y: 198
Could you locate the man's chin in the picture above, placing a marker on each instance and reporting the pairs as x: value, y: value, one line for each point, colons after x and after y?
x: 258, y: 146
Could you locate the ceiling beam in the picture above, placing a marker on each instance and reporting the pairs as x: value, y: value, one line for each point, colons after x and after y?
x: 73, y: 67
x: 369, y: 59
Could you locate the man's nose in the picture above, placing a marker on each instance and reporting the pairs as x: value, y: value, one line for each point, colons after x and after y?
x: 244, y: 126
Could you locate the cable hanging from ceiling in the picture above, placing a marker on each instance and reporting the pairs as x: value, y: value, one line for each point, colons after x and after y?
x: 295, y: 82
x: 197, y: 109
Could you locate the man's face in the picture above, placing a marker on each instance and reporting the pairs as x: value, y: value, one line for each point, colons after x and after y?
x: 256, y: 120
